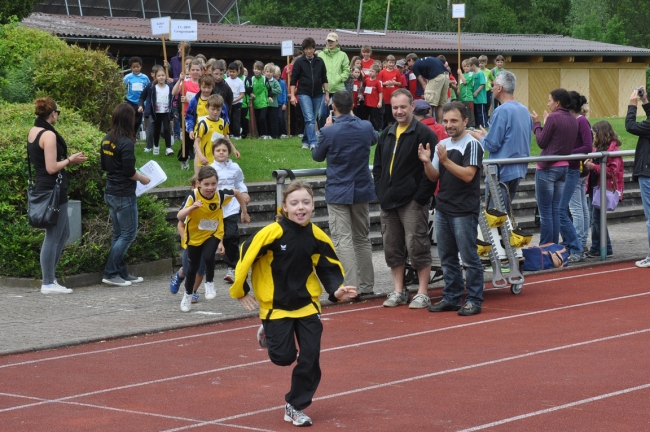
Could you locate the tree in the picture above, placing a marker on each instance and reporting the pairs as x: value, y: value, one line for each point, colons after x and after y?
x: 16, y: 10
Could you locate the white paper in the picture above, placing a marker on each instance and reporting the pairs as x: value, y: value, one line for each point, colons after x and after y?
x: 216, y: 136
x: 208, y: 225
x: 183, y: 30
x: 137, y: 86
x: 368, y: 90
x: 156, y: 176
x: 287, y: 48
x: 160, y: 26
x: 458, y: 10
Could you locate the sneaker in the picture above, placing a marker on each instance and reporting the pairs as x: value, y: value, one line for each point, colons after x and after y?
x: 133, y: 279
x: 175, y: 283
x: 147, y: 150
x: 300, y: 135
x: 156, y: 151
x: 195, y: 297
x: 644, y: 263
x: 584, y: 255
x: 443, y: 306
x: 420, y: 301
x: 261, y: 337
x: 305, y: 146
x: 311, y: 147
x: 574, y: 258
x: 297, y: 417
x: 236, y: 138
x: 284, y: 136
x: 230, y: 275
x: 591, y: 254
x: 186, y: 303
x: 361, y: 295
x: 169, y: 152
x: 185, y: 165
x: 54, y: 288
x: 395, y: 299
x: 469, y: 309
x: 116, y: 280
x: 210, y: 293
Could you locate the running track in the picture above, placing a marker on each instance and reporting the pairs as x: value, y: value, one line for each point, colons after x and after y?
x: 570, y: 353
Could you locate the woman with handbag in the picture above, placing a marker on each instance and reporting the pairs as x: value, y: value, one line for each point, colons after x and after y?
x: 605, y: 139
x: 118, y: 160
x: 48, y: 152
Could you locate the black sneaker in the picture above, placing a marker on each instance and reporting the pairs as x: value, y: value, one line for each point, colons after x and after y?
x: 443, y: 306
x: 361, y: 296
x: 469, y: 309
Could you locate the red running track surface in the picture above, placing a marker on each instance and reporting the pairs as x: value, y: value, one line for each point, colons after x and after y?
x: 569, y: 353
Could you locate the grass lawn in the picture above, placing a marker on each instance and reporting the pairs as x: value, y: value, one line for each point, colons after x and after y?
x: 260, y: 157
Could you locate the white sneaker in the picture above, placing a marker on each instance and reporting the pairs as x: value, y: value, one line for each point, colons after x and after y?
x: 230, y: 275
x: 284, y: 136
x: 420, y: 301
x: 186, y: 303
x: 169, y: 152
x: 54, y: 288
x: 185, y: 165
x: 305, y: 146
x: 210, y: 293
x: 147, y: 150
x: 644, y: 263
x: 236, y: 138
x: 297, y: 417
x: 156, y: 151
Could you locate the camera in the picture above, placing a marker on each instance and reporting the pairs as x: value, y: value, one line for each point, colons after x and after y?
x: 640, y: 92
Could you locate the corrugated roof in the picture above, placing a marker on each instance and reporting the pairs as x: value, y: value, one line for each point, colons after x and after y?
x: 77, y: 27
x: 177, y: 9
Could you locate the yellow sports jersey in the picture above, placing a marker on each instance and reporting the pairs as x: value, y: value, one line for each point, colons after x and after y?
x: 209, y: 130
x: 202, y: 108
x: 207, y: 220
x: 289, y: 263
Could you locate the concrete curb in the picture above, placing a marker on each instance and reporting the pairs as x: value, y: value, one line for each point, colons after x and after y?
x: 154, y: 268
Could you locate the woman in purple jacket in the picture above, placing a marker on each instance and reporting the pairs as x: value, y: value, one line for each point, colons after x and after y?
x: 557, y: 137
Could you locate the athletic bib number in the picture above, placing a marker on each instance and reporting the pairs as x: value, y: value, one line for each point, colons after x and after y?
x: 208, y: 225
x: 368, y: 90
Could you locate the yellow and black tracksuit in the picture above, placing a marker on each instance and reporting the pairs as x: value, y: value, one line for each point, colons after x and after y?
x: 289, y: 262
x: 203, y: 232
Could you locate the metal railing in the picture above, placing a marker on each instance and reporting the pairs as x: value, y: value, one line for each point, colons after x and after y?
x: 602, y: 181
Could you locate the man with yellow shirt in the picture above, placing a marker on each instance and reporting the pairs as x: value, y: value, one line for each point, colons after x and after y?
x: 404, y: 193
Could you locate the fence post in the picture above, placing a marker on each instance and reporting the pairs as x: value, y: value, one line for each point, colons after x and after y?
x: 602, y: 181
x: 279, y: 176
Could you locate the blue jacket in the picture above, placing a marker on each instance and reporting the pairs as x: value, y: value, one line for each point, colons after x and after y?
x: 190, y: 114
x: 346, y: 145
x: 148, y: 99
x: 282, y: 97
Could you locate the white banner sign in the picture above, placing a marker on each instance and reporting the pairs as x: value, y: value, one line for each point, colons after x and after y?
x: 183, y: 30
x: 160, y: 26
x: 458, y: 10
x: 287, y: 48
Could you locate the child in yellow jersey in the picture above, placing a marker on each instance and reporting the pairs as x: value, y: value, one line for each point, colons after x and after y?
x: 203, y: 217
x: 290, y: 259
x: 209, y: 129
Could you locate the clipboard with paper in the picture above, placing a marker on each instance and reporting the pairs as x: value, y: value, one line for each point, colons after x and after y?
x: 152, y: 170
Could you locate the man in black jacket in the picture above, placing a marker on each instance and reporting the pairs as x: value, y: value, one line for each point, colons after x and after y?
x: 310, y: 75
x: 641, y: 155
x: 404, y: 193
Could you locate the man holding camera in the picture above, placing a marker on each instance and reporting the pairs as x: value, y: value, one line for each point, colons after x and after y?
x: 348, y: 189
x: 642, y: 155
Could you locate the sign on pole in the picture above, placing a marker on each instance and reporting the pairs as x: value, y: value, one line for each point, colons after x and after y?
x: 160, y: 26
x: 183, y: 30
x: 458, y: 11
x: 287, y: 48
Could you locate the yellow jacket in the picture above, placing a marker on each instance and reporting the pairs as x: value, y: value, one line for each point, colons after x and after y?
x: 288, y: 260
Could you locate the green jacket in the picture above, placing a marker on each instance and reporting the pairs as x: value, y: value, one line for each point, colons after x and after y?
x: 274, y: 91
x: 338, y: 68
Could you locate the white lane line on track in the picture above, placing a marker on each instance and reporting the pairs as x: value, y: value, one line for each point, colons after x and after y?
x: 557, y: 408
x: 174, y: 339
x: 429, y: 375
x: 195, y: 374
x: 137, y: 345
x: 127, y: 411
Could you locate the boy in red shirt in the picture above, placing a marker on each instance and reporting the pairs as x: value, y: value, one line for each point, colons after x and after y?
x: 372, y: 97
x: 366, y: 60
x: 390, y: 81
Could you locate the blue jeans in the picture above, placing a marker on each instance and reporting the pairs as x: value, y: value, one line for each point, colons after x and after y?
x: 549, y: 184
x: 310, y: 107
x: 567, y: 230
x: 644, y: 182
x: 595, y: 235
x: 124, y: 215
x: 580, y: 211
x: 457, y: 234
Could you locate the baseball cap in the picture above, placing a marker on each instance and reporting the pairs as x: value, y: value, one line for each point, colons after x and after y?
x: 333, y: 37
x: 421, y: 107
x: 401, y: 63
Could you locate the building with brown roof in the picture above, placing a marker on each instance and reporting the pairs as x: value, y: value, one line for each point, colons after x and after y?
x: 605, y: 73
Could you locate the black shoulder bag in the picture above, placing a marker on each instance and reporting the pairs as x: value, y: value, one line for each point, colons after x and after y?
x: 42, y: 206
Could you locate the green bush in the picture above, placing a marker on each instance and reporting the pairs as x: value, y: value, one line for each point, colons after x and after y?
x: 20, y: 244
x: 18, y: 42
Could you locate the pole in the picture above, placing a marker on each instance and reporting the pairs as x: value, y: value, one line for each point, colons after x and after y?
x: 359, y: 20
x: 165, y: 57
x: 387, y: 13
x: 288, y: 79
x: 182, y: 114
x: 459, y: 44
